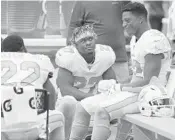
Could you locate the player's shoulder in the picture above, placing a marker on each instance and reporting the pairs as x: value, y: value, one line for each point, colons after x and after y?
x: 40, y: 57
x: 14, y: 55
x: 105, y: 54
x: 65, y: 56
x: 153, y: 42
x: 42, y: 60
x: 103, y: 48
x: 154, y: 35
x: 105, y: 51
x: 20, y: 55
x: 66, y: 51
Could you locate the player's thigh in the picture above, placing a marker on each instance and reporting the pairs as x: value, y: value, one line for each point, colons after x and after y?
x: 92, y: 103
x: 120, y: 104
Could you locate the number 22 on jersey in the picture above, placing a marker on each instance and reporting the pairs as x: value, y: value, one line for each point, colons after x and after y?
x: 82, y: 82
x: 12, y: 70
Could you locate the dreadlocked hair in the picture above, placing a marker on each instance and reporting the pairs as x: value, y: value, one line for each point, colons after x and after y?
x: 81, y: 32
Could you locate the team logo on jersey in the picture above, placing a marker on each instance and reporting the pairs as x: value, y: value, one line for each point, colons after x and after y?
x: 7, y: 106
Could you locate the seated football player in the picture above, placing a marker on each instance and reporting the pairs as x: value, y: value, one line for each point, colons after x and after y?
x: 82, y: 65
x: 151, y: 58
x: 19, y: 68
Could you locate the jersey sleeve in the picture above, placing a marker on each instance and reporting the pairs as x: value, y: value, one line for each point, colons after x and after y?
x: 64, y: 58
x: 171, y: 22
x: 113, y: 57
x: 107, y: 53
x: 157, y: 44
x: 47, y: 63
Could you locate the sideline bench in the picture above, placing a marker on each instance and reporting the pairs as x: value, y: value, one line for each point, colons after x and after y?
x: 162, y: 126
x: 157, y: 125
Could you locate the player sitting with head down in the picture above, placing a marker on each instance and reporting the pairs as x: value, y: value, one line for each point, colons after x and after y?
x: 19, y: 68
x: 151, y: 58
x: 82, y: 65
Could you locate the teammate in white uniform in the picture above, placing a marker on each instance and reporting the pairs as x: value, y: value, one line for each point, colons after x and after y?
x: 171, y: 25
x: 152, y: 58
x: 81, y: 66
x: 19, y: 68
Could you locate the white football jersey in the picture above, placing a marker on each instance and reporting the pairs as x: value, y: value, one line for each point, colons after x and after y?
x: 25, y: 68
x: 14, y: 99
x: 86, y: 75
x: 171, y: 22
x: 152, y: 42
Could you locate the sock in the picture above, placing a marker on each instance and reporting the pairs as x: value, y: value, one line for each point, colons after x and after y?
x: 101, y: 132
x: 101, y: 129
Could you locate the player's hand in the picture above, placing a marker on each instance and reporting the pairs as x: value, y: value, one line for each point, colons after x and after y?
x: 105, y: 85
x: 115, y: 89
x: 131, y: 89
x: 108, y: 86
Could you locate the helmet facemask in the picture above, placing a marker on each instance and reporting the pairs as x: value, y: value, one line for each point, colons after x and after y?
x: 156, y: 103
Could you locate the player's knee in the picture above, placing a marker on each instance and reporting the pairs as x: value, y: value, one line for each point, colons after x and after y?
x: 81, y: 113
x: 101, y: 113
x: 82, y: 117
x: 80, y: 109
x: 70, y: 101
x: 68, y: 106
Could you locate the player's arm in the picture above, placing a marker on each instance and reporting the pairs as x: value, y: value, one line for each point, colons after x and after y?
x: 65, y: 82
x: 109, y: 74
x: 52, y: 97
x: 152, y: 68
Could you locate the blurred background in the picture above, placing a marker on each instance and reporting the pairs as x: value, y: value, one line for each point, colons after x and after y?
x: 43, y: 23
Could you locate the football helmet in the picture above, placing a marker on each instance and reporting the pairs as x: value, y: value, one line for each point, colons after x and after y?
x: 154, y: 101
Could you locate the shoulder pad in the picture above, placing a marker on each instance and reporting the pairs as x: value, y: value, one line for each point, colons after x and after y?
x: 64, y: 57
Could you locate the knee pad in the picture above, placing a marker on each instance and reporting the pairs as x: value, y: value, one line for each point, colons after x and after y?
x: 69, y: 100
x: 67, y: 104
x: 102, y: 114
x: 79, y: 130
x: 101, y: 131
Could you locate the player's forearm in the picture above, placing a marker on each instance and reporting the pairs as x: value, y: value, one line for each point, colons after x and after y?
x: 139, y: 83
x: 72, y: 91
x: 132, y: 89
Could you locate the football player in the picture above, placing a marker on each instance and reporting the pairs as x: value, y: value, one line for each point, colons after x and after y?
x: 152, y: 53
x: 152, y: 58
x: 19, y: 68
x: 81, y: 66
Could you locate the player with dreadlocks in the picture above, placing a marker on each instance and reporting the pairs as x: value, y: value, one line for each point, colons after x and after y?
x: 81, y: 66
